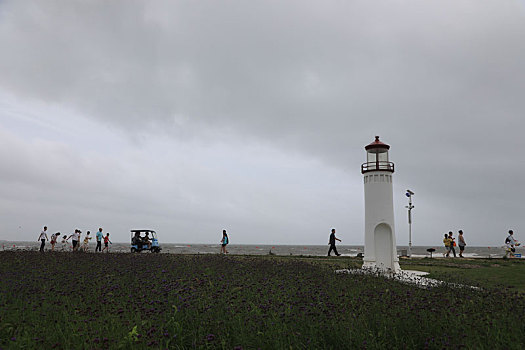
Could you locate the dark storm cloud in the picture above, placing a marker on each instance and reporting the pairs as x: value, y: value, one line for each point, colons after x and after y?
x: 441, y: 81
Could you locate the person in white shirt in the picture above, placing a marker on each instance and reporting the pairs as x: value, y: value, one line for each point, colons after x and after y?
x: 64, y: 242
x: 43, y: 238
x: 75, y: 238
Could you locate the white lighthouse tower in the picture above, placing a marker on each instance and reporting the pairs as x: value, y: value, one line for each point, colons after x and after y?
x: 380, y: 238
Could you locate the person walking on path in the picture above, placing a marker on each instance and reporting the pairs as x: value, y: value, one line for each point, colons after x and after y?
x: 85, y: 245
x: 100, y: 237
x: 452, y: 243
x: 64, y: 242
x: 75, y: 237
x: 106, y: 241
x: 224, y: 242
x: 511, y: 243
x: 462, y: 243
x: 54, y: 239
x: 76, y: 240
x: 331, y: 242
x: 446, y: 242
x: 43, y: 238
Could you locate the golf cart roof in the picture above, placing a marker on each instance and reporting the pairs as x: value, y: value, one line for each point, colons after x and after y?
x: 140, y: 231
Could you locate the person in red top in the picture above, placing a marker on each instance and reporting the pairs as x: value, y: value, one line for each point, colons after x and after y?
x: 106, y: 241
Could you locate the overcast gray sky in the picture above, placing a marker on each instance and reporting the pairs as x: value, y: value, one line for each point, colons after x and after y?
x: 190, y: 117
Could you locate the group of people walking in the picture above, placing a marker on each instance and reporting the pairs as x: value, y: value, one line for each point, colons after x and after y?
x: 450, y: 243
x: 75, y: 240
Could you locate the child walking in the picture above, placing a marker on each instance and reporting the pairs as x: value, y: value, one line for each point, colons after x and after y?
x: 54, y: 238
x: 64, y: 242
x: 85, y: 245
x: 106, y: 241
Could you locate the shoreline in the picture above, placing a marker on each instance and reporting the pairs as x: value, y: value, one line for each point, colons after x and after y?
x: 266, y: 249
x: 342, y: 256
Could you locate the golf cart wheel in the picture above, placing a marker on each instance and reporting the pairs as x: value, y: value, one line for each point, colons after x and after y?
x: 133, y: 250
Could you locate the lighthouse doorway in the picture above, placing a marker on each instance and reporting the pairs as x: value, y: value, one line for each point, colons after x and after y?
x: 383, y: 246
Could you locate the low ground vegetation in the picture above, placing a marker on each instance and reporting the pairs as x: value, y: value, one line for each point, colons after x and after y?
x: 129, y: 301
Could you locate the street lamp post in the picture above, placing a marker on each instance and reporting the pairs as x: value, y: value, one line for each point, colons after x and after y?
x: 409, y: 194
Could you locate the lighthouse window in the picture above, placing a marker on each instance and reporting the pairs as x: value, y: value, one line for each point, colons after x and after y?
x: 382, y: 157
x: 371, y: 157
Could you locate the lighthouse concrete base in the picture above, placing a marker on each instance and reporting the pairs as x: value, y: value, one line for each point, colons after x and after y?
x: 373, y: 266
x: 408, y: 277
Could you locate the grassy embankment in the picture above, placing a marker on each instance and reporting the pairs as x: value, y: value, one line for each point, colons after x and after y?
x: 67, y: 301
x: 488, y: 273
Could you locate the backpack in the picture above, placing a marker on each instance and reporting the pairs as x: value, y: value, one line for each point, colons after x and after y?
x: 507, y: 240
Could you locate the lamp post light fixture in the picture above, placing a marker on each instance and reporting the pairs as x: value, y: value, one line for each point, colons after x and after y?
x: 409, y: 194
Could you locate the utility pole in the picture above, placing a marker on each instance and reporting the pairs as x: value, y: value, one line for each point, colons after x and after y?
x: 409, y: 194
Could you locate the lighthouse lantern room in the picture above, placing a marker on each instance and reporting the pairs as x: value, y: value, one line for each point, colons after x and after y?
x: 380, y: 241
x: 377, y: 157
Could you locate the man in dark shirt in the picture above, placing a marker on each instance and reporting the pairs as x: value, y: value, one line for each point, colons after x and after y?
x: 333, y: 238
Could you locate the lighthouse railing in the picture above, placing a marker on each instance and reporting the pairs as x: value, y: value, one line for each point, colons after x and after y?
x: 377, y: 166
